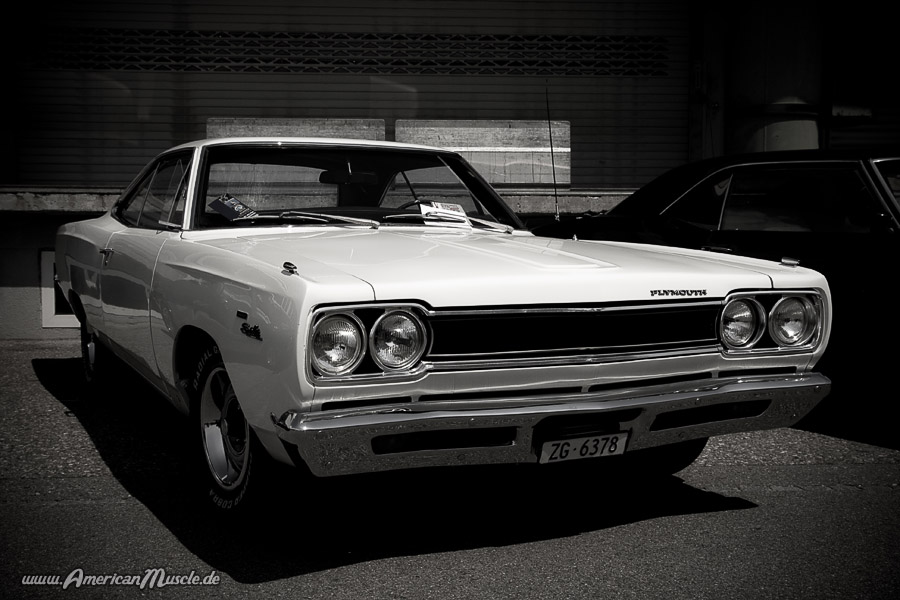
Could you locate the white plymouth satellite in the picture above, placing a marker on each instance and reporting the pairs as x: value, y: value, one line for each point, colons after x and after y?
x: 347, y: 306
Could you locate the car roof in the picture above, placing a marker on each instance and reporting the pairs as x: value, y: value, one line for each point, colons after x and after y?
x: 664, y: 189
x: 307, y: 141
x: 860, y: 153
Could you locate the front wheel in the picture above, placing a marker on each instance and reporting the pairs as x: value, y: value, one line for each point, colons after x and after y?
x: 229, y: 450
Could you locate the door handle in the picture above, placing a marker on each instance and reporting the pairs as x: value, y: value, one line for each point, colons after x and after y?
x: 106, y: 252
x: 722, y: 249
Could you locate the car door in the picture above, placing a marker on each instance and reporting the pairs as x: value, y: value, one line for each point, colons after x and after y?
x: 153, y: 215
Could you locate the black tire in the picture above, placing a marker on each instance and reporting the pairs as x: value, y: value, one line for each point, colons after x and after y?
x: 230, y: 457
x: 664, y: 460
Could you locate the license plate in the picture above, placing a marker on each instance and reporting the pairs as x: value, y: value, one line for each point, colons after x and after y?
x: 584, y: 447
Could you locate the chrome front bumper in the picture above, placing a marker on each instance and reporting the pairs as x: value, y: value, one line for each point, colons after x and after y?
x: 473, y: 432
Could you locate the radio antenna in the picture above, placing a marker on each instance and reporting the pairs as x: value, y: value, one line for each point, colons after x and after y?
x: 552, y: 159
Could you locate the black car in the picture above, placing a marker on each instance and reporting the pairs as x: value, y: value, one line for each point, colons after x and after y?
x: 837, y: 212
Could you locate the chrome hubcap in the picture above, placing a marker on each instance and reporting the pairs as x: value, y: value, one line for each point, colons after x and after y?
x: 224, y: 429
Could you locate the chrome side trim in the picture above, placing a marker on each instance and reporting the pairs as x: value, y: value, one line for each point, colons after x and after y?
x: 480, y: 311
x: 569, y: 310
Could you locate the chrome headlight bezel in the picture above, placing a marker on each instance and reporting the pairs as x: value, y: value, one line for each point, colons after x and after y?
x: 325, y: 370
x: 412, y: 358
x: 768, y: 340
x: 809, y: 327
x: 755, y: 309
x: 367, y: 367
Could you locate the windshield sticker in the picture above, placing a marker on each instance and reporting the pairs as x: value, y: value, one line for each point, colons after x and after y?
x: 444, y: 214
x: 450, y: 208
x: 455, y: 212
x: 229, y: 207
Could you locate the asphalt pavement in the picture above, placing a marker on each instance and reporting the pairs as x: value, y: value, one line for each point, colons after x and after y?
x: 99, y: 492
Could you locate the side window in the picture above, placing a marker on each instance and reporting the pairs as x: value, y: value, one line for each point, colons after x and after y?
x: 159, y: 199
x: 811, y: 198
x: 890, y: 170
x: 129, y: 209
x: 702, y: 205
x: 163, y: 192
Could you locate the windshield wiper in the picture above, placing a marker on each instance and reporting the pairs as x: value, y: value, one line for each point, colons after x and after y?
x: 292, y: 215
x: 493, y: 225
x: 466, y: 220
x: 432, y: 216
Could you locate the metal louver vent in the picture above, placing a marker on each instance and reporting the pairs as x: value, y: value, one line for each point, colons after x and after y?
x: 355, y: 53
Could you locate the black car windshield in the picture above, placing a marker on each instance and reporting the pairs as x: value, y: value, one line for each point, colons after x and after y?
x: 245, y: 185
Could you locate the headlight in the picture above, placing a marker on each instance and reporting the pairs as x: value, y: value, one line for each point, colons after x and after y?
x: 740, y: 326
x: 397, y: 340
x: 793, y: 321
x: 337, y: 344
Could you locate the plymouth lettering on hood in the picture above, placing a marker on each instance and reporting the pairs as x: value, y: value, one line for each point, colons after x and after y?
x: 678, y: 292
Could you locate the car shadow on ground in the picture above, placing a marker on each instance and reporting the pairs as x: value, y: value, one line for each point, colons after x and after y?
x: 340, y: 521
x: 857, y: 412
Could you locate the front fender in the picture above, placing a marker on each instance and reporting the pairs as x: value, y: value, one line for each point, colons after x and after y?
x: 256, y: 314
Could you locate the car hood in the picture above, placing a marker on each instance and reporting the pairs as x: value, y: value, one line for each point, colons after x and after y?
x: 446, y: 267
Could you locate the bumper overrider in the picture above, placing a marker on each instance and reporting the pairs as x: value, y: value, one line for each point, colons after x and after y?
x: 391, y: 437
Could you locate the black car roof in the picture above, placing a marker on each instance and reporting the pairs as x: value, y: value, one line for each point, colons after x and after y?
x: 658, y: 193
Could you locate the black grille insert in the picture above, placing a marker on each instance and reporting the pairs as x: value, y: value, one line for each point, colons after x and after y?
x: 522, y: 335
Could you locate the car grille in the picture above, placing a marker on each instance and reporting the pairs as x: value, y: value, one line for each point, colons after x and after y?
x: 533, y: 336
x: 469, y: 337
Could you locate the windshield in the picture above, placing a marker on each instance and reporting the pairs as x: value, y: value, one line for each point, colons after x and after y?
x: 245, y: 185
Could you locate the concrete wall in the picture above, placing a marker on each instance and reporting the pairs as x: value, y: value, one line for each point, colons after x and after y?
x: 29, y: 218
x: 358, y: 129
x: 506, y: 152
x: 23, y: 237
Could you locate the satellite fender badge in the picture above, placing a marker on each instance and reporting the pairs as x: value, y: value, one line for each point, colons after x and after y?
x: 251, y: 331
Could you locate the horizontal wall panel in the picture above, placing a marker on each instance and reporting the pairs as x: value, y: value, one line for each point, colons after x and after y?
x: 112, y: 83
x: 470, y: 16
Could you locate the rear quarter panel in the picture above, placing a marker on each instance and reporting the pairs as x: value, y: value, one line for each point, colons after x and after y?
x: 78, y: 262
